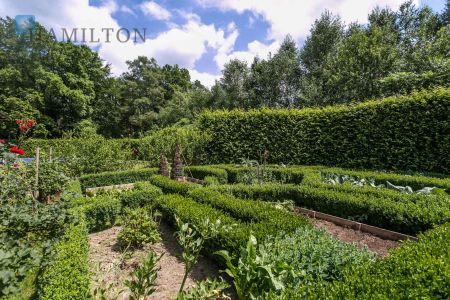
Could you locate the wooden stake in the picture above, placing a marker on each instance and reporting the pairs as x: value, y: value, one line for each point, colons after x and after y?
x: 37, y: 173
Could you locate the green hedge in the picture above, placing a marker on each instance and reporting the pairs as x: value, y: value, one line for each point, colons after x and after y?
x: 200, y: 172
x: 398, y: 133
x: 117, y: 177
x: 138, y: 198
x: 170, y: 186
x: 249, y: 210
x: 100, y: 212
x: 409, y: 214
x: 66, y: 277
x: 416, y: 270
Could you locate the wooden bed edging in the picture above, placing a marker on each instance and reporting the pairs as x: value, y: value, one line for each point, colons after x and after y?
x: 124, y: 186
x: 380, y: 232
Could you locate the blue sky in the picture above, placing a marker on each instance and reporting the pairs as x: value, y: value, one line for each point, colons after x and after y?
x: 200, y: 35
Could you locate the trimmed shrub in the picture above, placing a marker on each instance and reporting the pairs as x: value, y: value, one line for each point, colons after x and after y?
x: 100, y: 212
x: 170, y: 186
x: 397, y: 133
x: 67, y: 275
x: 117, y: 177
x: 249, y: 210
x: 407, y: 214
x: 200, y: 172
x: 141, y: 196
x: 138, y: 229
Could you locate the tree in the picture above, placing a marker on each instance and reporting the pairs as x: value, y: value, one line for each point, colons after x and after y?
x: 235, y: 74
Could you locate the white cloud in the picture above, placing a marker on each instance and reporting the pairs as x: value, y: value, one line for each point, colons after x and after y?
x: 206, y: 79
x: 127, y: 10
x: 155, y: 10
x: 295, y: 17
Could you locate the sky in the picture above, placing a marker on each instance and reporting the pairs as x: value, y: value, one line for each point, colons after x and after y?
x: 200, y: 35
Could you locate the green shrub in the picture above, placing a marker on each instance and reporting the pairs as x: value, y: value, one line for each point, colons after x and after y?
x: 249, y: 210
x: 100, y: 212
x: 139, y: 228
x: 200, y: 172
x: 67, y: 275
x: 172, y: 186
x: 84, y: 155
x: 416, y: 270
x: 117, y: 177
x: 398, y: 133
x: 407, y: 214
x: 190, y: 138
x: 140, y: 196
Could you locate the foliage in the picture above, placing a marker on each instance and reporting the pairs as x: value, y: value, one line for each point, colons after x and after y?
x: 414, y: 270
x: 206, y: 290
x: 100, y: 212
x: 67, y: 276
x: 313, y: 255
x: 52, y: 177
x: 143, y: 283
x: 116, y: 177
x: 255, y: 273
x: 140, y: 196
x: 200, y: 172
x: 190, y: 138
x: 138, y: 228
x: 374, y: 135
x: 168, y: 185
x: 192, y: 238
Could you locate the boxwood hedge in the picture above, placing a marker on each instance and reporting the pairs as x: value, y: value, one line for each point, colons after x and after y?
x: 67, y: 275
x: 398, y: 133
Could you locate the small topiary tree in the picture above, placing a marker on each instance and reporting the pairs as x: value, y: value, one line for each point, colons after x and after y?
x: 177, y: 167
x: 163, y: 165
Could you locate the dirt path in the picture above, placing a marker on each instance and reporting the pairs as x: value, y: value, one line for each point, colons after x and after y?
x: 108, y: 267
x: 348, y: 235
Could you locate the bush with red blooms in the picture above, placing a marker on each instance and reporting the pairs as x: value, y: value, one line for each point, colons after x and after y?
x: 16, y: 150
x: 25, y: 125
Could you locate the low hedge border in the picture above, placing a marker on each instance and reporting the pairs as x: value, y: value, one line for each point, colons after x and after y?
x: 99, y: 212
x: 405, y: 217
x: 170, y: 186
x: 117, y: 177
x: 200, y: 172
x: 248, y: 210
x: 140, y: 196
x: 67, y: 275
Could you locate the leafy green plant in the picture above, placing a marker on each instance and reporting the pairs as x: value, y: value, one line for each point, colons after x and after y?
x: 255, y: 273
x: 144, y: 277
x: 206, y: 290
x: 192, y: 238
x: 139, y: 228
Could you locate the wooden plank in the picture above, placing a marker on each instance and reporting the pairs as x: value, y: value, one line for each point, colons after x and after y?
x: 125, y: 186
x: 380, y: 232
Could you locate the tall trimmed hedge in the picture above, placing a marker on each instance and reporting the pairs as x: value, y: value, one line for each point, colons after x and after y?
x: 399, y: 133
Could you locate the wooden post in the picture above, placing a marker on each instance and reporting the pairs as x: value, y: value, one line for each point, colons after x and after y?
x: 36, y: 196
x: 50, y: 154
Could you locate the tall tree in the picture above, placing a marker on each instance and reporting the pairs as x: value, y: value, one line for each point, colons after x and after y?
x: 235, y: 75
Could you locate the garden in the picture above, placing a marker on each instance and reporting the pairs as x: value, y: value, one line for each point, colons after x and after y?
x: 342, y: 202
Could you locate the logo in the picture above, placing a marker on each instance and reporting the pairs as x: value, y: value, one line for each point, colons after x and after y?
x: 25, y: 24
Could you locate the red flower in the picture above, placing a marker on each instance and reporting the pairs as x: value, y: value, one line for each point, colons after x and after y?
x: 2, y: 141
x: 23, y: 127
x: 17, y: 150
x: 30, y: 123
x: 18, y: 121
x: 15, y: 165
